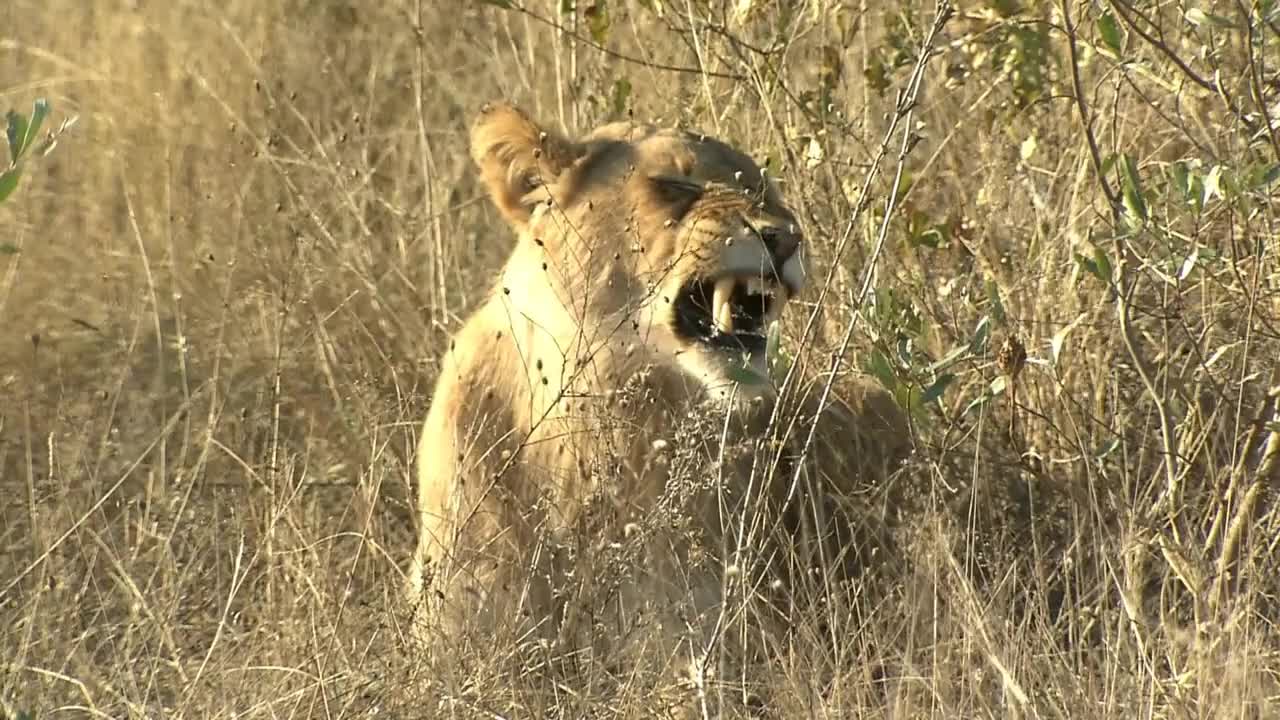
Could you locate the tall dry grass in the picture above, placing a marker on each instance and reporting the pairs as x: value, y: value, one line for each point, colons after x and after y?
x: 230, y: 284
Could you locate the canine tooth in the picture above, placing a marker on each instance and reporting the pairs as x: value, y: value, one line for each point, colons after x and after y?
x: 720, y: 308
x: 724, y: 319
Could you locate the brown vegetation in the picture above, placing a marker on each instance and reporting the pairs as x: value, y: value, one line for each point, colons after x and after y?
x: 224, y: 296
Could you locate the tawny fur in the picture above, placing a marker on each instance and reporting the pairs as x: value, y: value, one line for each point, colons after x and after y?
x: 561, y: 392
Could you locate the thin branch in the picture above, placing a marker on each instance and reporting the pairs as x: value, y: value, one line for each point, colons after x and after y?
x: 1125, y: 289
x: 1086, y: 119
x: 1128, y: 13
x: 903, y: 112
x: 549, y: 22
x: 1266, y: 473
x: 1269, y: 128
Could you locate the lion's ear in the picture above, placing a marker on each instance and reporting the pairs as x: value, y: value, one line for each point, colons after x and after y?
x: 516, y: 156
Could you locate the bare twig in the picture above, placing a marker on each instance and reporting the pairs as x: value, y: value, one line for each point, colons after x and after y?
x: 903, y: 113
x: 1267, y: 472
x: 623, y: 56
x: 1086, y: 119
x: 1124, y: 287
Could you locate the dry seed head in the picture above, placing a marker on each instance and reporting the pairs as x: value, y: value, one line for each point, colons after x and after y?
x: 1011, y: 357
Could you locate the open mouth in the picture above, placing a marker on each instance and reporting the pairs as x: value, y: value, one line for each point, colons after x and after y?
x: 731, y: 312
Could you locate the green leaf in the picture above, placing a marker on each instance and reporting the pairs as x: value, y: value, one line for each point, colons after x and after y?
x: 951, y: 358
x: 9, y: 181
x: 742, y: 372
x: 1271, y: 175
x: 1189, y: 264
x: 773, y: 163
x: 1103, y: 264
x: 904, y: 184
x: 910, y: 397
x: 1088, y: 264
x: 1196, y: 16
x: 39, y: 111
x: 878, y: 367
x: 16, y: 132
x: 777, y: 359
x: 1060, y: 338
x: 934, y: 391
x: 597, y: 15
x: 1106, y: 449
x: 1195, y: 192
x: 981, y: 336
x: 1212, y: 186
x: 1270, y: 10
x: 1109, y: 162
x: 877, y: 74
x: 1180, y: 176
x: 997, y: 306
x: 621, y: 93
x: 1111, y: 33
x: 504, y: 4
x: 1098, y: 266
x: 922, y: 233
x: 905, y: 351
x: 8, y: 248
x: 1135, y: 204
x: 996, y: 387
x: 976, y: 403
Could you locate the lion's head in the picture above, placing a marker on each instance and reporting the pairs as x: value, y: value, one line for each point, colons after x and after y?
x: 643, y: 239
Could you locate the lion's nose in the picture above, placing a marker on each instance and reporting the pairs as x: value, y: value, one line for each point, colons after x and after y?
x: 781, y: 242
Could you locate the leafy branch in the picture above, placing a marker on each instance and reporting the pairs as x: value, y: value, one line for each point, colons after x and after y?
x: 22, y: 134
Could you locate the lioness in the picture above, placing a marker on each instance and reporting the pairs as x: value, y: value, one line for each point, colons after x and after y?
x: 595, y: 446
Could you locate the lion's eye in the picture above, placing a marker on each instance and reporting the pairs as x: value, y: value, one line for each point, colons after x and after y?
x: 678, y: 193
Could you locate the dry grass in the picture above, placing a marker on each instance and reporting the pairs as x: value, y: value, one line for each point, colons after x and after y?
x: 235, y: 276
